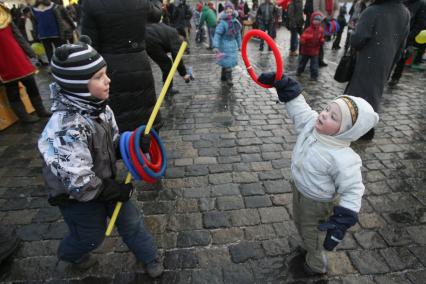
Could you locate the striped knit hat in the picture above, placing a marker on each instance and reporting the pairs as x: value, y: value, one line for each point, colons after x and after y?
x: 73, y: 65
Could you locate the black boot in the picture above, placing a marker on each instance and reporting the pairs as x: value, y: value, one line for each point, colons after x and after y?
x: 39, y: 107
x: 228, y: 76
x: 223, y: 75
x: 22, y: 114
x: 155, y: 268
x: 85, y: 262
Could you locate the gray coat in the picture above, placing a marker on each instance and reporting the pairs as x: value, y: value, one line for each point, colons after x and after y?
x: 379, y: 38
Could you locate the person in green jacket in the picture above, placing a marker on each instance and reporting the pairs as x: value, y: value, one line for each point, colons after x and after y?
x: 208, y: 16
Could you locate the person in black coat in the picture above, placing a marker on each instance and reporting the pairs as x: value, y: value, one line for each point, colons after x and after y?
x: 181, y: 14
x: 378, y: 40
x: 160, y: 40
x: 417, y: 10
x: 117, y: 30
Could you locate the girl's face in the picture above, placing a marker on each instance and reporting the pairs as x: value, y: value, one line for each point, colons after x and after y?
x: 329, y: 120
x: 99, y: 84
x: 229, y: 11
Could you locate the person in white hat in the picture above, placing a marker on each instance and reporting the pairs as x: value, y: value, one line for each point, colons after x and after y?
x: 328, y: 187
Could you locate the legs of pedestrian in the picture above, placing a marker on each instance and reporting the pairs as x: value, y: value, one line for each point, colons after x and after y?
x: 314, y: 68
x: 308, y: 214
x: 294, y: 41
x: 131, y: 227
x: 336, y: 43
x: 303, y: 59
x: 321, y: 57
x: 34, y: 95
x: 397, y: 72
x: 211, y: 31
x: 12, y: 91
x: 223, y: 74
x: 87, y: 224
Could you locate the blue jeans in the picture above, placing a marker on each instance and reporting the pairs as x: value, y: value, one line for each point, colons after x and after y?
x: 294, y: 39
x: 87, y: 222
x: 211, y: 31
x: 303, y: 60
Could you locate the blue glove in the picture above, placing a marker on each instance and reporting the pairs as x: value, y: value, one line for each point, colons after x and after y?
x: 287, y: 88
x: 337, y: 225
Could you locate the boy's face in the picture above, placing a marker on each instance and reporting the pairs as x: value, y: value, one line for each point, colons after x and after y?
x: 99, y: 84
x: 229, y: 11
x: 329, y: 120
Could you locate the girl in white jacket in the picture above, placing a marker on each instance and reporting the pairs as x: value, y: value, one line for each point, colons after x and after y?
x: 325, y: 170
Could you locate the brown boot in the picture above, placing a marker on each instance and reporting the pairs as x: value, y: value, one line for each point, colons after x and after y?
x: 22, y: 114
x: 37, y: 103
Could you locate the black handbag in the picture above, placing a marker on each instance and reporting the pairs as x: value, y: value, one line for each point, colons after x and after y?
x: 346, y: 67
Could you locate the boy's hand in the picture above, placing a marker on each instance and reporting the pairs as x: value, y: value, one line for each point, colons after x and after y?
x: 187, y: 78
x: 287, y: 88
x: 145, y: 143
x: 337, y: 225
x: 115, y: 191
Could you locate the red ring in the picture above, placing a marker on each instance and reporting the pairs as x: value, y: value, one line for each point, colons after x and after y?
x: 275, y: 50
x: 135, y: 162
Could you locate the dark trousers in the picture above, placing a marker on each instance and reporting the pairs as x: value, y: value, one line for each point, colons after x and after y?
x: 307, y: 20
x: 399, y: 68
x: 270, y: 29
x: 163, y: 61
x: 294, y: 39
x: 321, y: 54
x: 303, y: 60
x: 348, y: 39
x: 12, y: 88
x: 211, y: 31
x: 87, y: 222
x: 338, y: 38
x: 48, y: 42
x: 182, y: 33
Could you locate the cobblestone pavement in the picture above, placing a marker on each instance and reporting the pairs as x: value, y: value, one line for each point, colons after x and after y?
x: 223, y: 212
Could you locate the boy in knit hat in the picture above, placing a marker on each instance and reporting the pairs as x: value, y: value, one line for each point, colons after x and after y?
x: 79, y: 147
x: 328, y: 185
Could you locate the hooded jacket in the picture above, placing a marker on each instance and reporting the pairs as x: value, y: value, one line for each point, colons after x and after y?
x: 228, y: 40
x: 324, y: 168
x: 208, y: 16
x: 312, y: 38
x: 78, y: 149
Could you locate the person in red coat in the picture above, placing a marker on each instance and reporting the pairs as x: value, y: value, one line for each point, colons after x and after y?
x: 310, y: 43
x: 15, y: 66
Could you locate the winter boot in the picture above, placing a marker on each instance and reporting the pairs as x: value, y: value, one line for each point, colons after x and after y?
x: 223, y: 75
x: 155, y: 268
x: 228, y: 75
x: 22, y: 114
x: 85, y: 262
x: 39, y: 107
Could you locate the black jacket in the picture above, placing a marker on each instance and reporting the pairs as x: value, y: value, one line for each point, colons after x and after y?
x: 181, y: 16
x: 163, y: 38
x: 117, y: 30
x: 378, y: 38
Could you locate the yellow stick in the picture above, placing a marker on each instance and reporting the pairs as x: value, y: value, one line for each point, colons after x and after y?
x: 149, y: 125
x: 116, y: 210
x: 165, y: 87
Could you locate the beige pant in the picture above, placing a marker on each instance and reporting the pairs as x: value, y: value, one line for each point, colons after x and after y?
x: 307, y: 215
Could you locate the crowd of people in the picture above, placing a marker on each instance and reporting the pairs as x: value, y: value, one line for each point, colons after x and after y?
x: 103, y: 86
